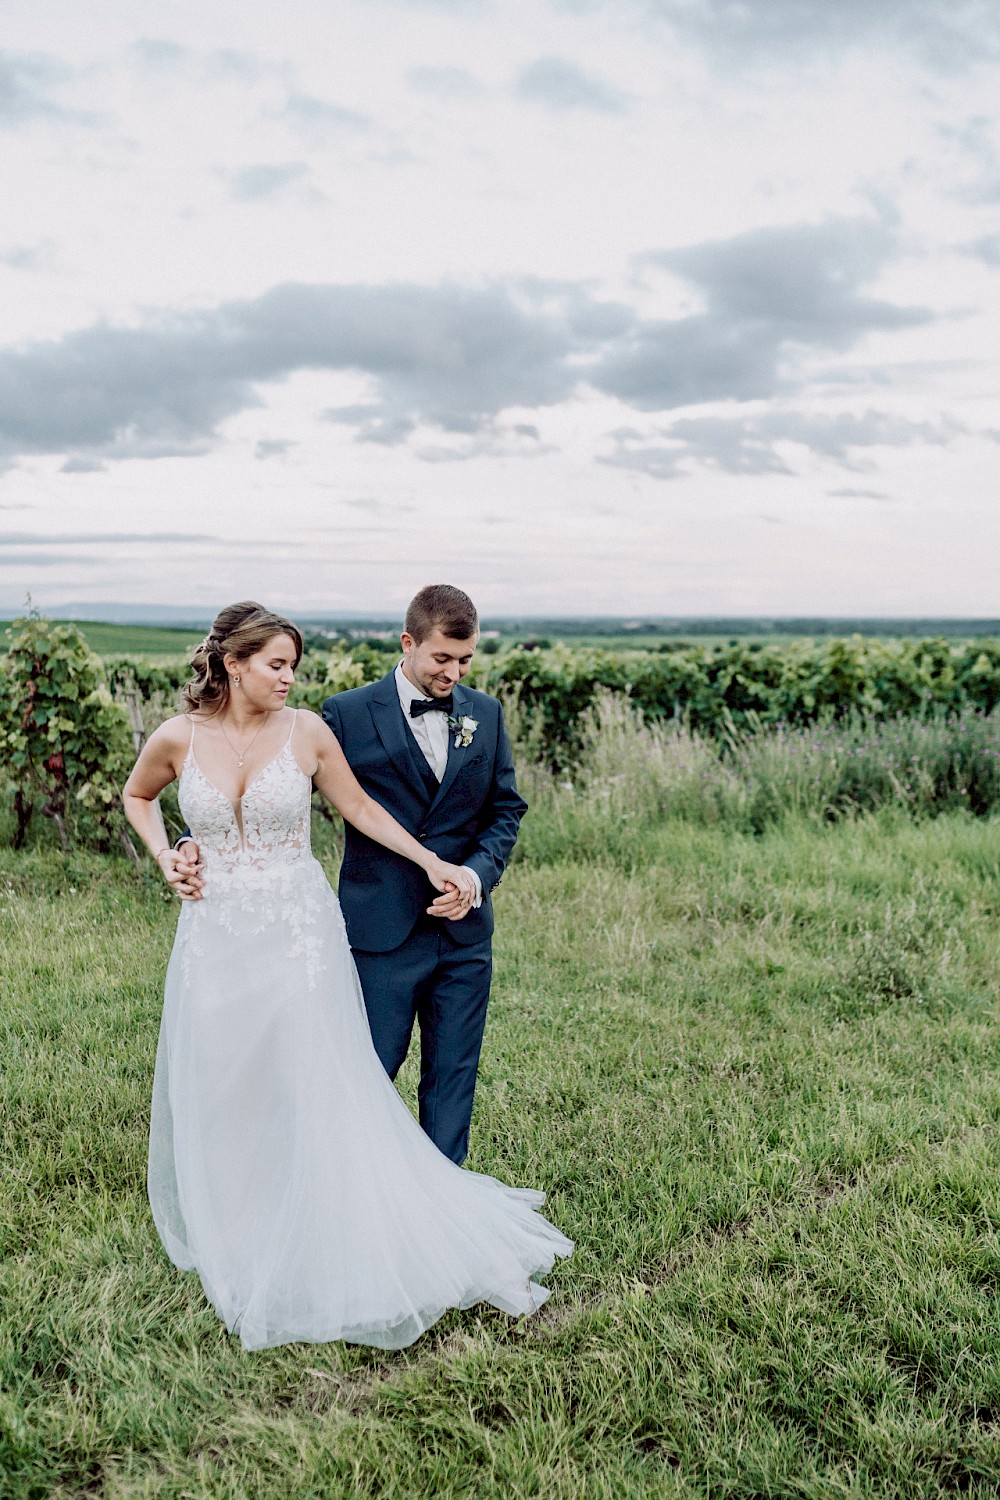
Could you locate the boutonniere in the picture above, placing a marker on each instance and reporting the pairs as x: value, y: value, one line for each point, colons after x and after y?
x: 463, y: 728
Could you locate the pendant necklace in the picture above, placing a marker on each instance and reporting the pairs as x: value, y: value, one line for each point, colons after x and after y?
x: 240, y: 753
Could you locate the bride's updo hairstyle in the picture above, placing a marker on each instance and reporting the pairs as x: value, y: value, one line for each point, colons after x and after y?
x: 242, y: 629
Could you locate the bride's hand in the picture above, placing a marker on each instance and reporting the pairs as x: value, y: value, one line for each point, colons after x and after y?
x: 459, y: 892
x: 442, y: 875
x: 180, y: 869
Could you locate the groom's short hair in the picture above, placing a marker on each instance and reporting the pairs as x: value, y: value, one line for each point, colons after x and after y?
x: 439, y: 606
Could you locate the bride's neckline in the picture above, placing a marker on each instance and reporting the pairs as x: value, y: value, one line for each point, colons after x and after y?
x: 236, y: 802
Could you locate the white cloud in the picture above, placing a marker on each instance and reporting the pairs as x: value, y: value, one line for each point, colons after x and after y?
x: 452, y: 357
x: 37, y: 257
x: 944, y: 37
x: 263, y: 179
x: 321, y: 118
x: 29, y: 84
x: 160, y: 55
x: 560, y: 84
x: 444, y: 83
x: 499, y: 272
x: 759, y: 443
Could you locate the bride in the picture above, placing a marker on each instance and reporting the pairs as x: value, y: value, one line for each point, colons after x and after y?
x: 283, y: 1165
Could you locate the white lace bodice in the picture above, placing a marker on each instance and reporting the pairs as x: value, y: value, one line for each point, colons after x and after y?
x: 260, y: 874
x: 268, y: 827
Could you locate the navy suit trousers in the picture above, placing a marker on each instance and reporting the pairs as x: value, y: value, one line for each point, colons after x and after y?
x: 444, y: 986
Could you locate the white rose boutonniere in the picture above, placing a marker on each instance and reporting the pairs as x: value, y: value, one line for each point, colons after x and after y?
x: 463, y: 728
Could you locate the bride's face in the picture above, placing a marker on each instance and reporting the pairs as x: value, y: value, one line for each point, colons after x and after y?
x: 265, y: 677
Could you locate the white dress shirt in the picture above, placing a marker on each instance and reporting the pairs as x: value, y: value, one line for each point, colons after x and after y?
x: 430, y: 731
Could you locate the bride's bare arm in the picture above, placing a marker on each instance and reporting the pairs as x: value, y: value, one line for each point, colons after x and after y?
x: 155, y: 769
x: 335, y: 779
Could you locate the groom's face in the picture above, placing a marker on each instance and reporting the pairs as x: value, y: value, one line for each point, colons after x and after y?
x: 437, y: 662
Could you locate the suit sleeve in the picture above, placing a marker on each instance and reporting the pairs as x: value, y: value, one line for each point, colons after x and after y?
x: 331, y: 718
x: 500, y: 818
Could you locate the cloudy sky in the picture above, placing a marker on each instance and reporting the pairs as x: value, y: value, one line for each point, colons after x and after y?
x: 648, y: 306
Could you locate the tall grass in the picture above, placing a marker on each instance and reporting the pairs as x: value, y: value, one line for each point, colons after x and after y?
x: 632, y: 773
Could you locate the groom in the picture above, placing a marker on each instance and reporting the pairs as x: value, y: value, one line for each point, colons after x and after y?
x: 436, y: 756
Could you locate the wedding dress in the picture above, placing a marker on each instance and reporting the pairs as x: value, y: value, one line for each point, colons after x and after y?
x: 283, y: 1165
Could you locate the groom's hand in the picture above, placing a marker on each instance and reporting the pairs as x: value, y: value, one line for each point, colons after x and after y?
x: 452, y: 904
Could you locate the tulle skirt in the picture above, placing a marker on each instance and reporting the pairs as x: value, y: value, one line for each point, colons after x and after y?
x: 283, y: 1165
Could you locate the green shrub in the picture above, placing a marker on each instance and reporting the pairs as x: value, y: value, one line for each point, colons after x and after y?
x: 320, y: 675
x: 65, y: 745
x: 740, y: 686
x: 714, y: 689
x: 147, y: 678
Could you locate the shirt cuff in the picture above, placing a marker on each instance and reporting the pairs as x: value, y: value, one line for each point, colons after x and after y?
x: 479, y: 886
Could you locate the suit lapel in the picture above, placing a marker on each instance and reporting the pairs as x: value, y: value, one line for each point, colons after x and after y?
x: 390, y: 726
x: 456, y: 754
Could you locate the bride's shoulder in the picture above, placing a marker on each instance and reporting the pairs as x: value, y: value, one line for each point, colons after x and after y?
x: 308, y: 724
x: 311, y: 737
x: 173, y: 733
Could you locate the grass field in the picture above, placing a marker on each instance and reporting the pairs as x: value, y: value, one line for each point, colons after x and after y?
x: 760, y: 1080
x: 137, y: 640
x: 154, y: 641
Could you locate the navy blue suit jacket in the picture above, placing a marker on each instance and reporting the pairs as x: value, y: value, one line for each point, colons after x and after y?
x: 471, y: 818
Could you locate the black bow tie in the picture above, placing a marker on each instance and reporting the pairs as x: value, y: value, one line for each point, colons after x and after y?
x: 420, y: 706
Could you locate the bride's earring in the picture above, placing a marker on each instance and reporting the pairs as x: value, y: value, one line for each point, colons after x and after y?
x: 236, y: 680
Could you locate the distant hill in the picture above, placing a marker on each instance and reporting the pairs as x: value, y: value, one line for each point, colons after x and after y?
x: 670, y: 627
x: 191, y: 617
x: 173, y: 616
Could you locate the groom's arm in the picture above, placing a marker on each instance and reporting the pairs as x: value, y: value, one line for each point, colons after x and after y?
x: 500, y: 818
x: 331, y: 717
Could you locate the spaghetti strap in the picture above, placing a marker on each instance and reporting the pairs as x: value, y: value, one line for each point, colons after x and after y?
x: 190, y: 718
x: 295, y: 720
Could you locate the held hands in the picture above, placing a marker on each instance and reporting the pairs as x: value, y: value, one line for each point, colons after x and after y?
x: 182, y: 870
x: 452, y: 904
x: 458, y: 891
